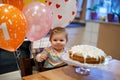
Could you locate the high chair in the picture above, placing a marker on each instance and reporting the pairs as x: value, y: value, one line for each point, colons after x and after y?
x: 37, y: 48
x: 38, y: 65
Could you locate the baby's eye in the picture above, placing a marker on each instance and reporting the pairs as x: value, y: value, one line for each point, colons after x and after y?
x: 54, y: 40
x: 61, y: 40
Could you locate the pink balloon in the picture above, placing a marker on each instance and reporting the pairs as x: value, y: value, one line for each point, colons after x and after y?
x: 39, y: 22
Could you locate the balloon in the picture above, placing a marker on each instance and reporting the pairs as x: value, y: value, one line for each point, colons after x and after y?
x: 39, y: 21
x: 12, y: 27
x: 64, y: 11
x: 29, y: 1
x: 17, y: 3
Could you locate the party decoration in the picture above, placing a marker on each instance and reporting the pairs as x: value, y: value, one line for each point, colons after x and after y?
x: 29, y: 1
x: 17, y: 3
x: 12, y: 27
x: 64, y: 11
x: 39, y: 19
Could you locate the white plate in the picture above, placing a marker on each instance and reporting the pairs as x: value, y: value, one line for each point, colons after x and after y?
x: 65, y: 58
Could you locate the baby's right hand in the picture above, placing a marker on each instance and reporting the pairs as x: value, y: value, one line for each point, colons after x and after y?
x: 43, y: 56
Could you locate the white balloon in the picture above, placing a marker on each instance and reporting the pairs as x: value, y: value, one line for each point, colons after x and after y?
x: 64, y: 11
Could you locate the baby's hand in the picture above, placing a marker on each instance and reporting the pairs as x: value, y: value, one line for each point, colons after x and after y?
x: 43, y: 56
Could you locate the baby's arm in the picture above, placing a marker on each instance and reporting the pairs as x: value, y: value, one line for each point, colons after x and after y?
x: 41, y: 57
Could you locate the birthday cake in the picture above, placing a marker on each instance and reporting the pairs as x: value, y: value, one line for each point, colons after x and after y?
x: 87, y: 54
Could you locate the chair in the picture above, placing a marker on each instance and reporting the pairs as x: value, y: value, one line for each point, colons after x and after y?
x: 38, y: 65
x: 23, y: 55
x: 37, y: 48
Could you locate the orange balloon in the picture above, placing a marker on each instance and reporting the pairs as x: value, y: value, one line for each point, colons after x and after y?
x: 12, y: 27
x: 17, y: 3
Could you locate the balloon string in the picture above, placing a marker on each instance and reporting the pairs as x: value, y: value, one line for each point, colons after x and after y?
x: 16, y: 57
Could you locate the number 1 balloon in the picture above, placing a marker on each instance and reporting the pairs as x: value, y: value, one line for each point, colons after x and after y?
x: 12, y: 27
x: 17, y: 3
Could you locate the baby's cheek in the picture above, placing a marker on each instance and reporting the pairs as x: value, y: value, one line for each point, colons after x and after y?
x: 63, y: 44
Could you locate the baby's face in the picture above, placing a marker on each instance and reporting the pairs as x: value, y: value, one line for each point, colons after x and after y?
x: 58, y: 41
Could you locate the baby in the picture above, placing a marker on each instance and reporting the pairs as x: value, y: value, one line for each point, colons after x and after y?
x: 51, y: 55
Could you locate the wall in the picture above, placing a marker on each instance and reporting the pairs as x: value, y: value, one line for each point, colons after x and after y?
x: 91, y: 33
x: 75, y: 36
x: 109, y: 39
x: 87, y: 35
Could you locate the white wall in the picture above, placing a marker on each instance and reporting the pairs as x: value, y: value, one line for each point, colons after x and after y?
x: 75, y: 36
x: 87, y: 35
x: 91, y: 33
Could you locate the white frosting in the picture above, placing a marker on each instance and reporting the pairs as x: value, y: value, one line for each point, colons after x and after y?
x: 87, y: 50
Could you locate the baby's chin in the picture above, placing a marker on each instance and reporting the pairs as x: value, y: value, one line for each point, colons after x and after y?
x: 61, y: 48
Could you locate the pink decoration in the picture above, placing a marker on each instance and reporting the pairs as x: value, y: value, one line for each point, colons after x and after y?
x: 39, y: 19
x: 64, y: 11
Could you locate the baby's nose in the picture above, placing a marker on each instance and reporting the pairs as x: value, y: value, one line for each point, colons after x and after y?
x: 58, y: 42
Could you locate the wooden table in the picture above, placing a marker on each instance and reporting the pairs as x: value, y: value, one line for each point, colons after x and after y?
x: 108, y: 72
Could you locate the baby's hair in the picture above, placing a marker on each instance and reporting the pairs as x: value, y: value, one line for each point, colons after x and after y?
x: 57, y: 30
